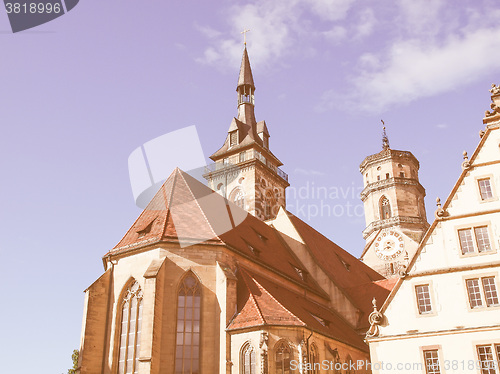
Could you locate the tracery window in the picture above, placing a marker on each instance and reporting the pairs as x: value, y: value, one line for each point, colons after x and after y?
x: 385, y: 208
x: 248, y: 359
x: 238, y: 197
x: 283, y: 358
x: 187, y: 350
x: 130, y: 330
x: 314, y: 359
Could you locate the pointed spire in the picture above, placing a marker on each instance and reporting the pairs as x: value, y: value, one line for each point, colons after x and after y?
x: 245, y: 78
x: 385, y: 138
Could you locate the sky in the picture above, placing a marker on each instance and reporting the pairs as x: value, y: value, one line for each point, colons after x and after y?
x: 79, y: 94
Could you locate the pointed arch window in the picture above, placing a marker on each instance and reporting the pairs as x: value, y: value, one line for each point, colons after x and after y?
x: 314, y: 359
x: 283, y: 358
x: 130, y: 330
x: 349, y: 365
x: 385, y: 208
x: 248, y: 363
x: 187, y: 350
x: 238, y: 197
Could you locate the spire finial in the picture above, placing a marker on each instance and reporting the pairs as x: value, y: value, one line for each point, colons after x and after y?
x: 244, y: 32
x: 385, y: 139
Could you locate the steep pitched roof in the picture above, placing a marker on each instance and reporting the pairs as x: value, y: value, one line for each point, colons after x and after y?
x: 359, y: 282
x: 342, y: 267
x: 246, y: 77
x: 187, y: 212
x: 262, y: 301
x: 176, y: 209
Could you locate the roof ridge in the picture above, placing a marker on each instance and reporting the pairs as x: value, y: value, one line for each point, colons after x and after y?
x: 201, y: 209
x: 253, y: 297
x: 168, y: 201
x: 342, y: 289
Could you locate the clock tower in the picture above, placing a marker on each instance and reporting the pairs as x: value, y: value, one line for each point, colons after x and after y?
x: 394, y: 209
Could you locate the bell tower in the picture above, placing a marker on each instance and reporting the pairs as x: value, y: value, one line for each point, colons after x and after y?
x: 245, y: 170
x: 394, y: 208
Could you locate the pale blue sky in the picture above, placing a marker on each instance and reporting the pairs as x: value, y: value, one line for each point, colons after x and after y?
x: 79, y: 94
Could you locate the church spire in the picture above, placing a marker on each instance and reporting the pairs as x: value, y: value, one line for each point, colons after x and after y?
x: 385, y: 138
x: 245, y: 78
x: 245, y: 90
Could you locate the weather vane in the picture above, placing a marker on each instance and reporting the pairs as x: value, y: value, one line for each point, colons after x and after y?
x: 244, y: 32
x: 385, y: 138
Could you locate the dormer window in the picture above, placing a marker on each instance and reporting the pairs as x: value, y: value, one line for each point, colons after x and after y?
x: 233, y: 138
x: 302, y: 273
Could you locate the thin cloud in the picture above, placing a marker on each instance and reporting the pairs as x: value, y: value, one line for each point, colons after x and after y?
x: 275, y: 26
x: 414, y: 69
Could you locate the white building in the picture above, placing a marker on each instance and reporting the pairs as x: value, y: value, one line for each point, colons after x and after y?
x: 443, y: 315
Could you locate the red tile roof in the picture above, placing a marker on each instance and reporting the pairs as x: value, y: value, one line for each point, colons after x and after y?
x: 363, y: 295
x: 358, y: 281
x: 342, y: 267
x: 262, y: 301
x: 185, y: 210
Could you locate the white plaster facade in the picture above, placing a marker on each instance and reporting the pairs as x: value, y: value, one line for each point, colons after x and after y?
x: 452, y: 328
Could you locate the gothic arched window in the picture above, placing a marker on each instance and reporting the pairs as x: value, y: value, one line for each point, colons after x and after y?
x: 385, y: 208
x: 130, y: 330
x: 337, y: 362
x: 187, y: 350
x: 248, y: 359
x: 314, y: 359
x: 238, y: 197
x: 349, y: 365
x: 283, y: 358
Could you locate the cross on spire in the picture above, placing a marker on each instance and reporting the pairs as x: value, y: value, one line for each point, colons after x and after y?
x: 244, y: 32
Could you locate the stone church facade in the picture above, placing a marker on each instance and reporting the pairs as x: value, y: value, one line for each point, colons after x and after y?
x: 221, y: 278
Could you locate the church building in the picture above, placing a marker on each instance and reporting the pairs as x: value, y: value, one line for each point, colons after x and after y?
x: 222, y: 279
x: 218, y: 277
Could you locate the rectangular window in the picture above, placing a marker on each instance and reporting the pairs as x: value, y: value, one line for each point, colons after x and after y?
x: 490, y: 291
x: 474, y: 293
x: 487, y: 359
x: 474, y: 240
x: 482, y: 239
x: 432, y: 362
x: 387, y: 176
x: 485, y: 189
x: 466, y: 243
x: 423, y: 299
x: 401, y: 174
x: 242, y: 156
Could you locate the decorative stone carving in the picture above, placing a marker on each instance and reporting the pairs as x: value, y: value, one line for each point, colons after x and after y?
x: 440, y: 212
x: 494, y: 110
x: 481, y: 133
x: 375, y: 319
x: 263, y: 346
x: 465, y: 164
x: 495, y: 90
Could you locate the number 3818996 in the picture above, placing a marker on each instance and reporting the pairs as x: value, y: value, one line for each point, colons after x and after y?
x: 32, y: 8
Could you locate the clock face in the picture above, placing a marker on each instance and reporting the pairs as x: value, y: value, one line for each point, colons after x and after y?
x: 389, y: 245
